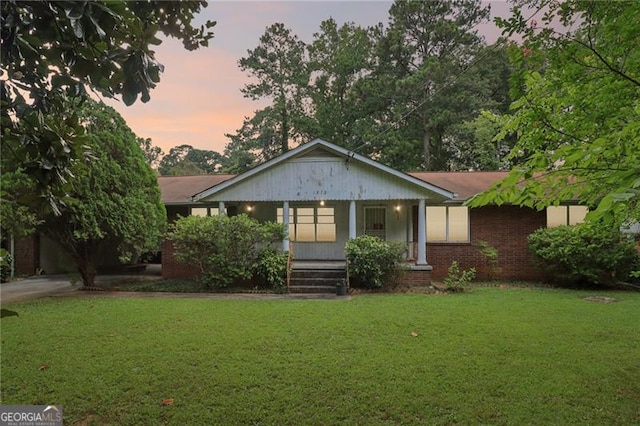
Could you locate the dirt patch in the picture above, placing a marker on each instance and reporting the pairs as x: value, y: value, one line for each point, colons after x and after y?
x: 600, y: 299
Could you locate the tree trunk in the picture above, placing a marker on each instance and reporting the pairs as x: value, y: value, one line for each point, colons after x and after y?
x: 87, y: 270
x: 426, y: 148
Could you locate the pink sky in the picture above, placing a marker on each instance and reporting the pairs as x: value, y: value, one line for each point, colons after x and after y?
x: 198, y: 98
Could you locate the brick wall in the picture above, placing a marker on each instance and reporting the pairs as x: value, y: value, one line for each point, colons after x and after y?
x: 505, y: 228
x: 171, y: 268
x: 415, y: 277
x: 26, y: 255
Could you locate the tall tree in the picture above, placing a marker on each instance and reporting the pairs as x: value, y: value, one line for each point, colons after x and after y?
x: 152, y: 154
x: 114, y: 198
x: 51, y: 49
x: 578, y: 116
x: 340, y: 60
x: 428, y: 46
x: 279, y: 67
x: 187, y: 160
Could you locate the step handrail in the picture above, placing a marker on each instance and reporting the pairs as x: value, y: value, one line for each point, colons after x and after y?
x: 289, y: 264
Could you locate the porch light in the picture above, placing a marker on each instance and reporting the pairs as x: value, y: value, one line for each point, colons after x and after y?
x: 397, y: 210
x: 249, y: 209
x: 322, y: 202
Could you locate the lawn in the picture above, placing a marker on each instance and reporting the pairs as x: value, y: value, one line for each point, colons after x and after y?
x: 492, y: 355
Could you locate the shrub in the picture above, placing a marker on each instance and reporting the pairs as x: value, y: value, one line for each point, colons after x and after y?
x: 490, y: 255
x: 224, y: 249
x: 5, y: 265
x: 584, y: 254
x: 373, y: 261
x: 456, y: 280
x: 272, y: 268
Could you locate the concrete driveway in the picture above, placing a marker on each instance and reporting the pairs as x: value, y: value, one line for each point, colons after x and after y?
x: 56, y: 285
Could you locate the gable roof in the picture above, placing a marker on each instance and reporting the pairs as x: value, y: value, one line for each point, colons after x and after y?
x: 319, y: 145
x: 180, y: 189
x: 464, y: 184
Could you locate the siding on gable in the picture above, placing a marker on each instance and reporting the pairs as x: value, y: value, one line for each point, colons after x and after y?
x: 321, y: 178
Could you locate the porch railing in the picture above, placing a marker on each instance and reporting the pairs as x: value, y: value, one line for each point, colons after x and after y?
x: 289, y: 264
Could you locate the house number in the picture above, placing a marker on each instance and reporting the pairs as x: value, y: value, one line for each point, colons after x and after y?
x: 320, y: 192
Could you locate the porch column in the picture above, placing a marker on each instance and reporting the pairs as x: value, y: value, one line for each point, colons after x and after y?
x: 221, y: 208
x: 352, y: 220
x: 285, y: 220
x: 422, y: 234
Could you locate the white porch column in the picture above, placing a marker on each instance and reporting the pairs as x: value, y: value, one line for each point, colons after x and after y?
x: 221, y: 208
x: 422, y: 234
x: 352, y: 220
x: 285, y: 220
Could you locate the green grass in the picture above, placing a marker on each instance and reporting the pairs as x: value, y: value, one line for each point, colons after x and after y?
x: 497, y: 356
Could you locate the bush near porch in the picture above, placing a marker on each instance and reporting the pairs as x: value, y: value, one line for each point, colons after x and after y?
x: 373, y: 262
x: 228, y: 249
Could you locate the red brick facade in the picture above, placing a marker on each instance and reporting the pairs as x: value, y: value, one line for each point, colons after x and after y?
x: 26, y: 255
x: 415, y: 278
x: 171, y: 268
x: 506, y: 228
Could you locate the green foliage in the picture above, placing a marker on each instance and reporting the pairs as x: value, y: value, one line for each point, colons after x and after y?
x: 577, y: 117
x: 585, y: 253
x: 114, y: 197
x: 5, y: 264
x: 456, y: 280
x: 372, y: 261
x: 224, y: 249
x: 53, y: 50
x: 278, y: 65
x: 187, y: 160
x: 490, y: 255
x: 272, y: 268
x: 152, y: 154
x: 403, y: 88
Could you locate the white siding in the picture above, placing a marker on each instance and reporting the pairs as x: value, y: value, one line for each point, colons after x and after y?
x: 320, y: 178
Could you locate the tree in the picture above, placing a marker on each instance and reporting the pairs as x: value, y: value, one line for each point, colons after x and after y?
x: 53, y: 49
x: 187, y: 160
x: 341, y: 59
x: 152, y: 154
x: 114, y: 198
x: 278, y: 65
x: 426, y: 49
x: 577, y: 119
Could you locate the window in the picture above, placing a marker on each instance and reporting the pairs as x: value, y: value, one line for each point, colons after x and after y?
x: 310, y: 224
x: 205, y: 211
x: 565, y: 215
x: 447, y: 224
x: 375, y: 222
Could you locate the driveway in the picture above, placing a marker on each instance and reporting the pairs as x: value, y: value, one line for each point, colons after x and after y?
x: 55, y: 285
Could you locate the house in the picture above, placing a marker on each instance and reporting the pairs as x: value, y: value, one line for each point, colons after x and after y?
x: 325, y: 195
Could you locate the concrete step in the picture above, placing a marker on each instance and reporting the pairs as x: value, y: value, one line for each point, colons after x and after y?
x: 312, y: 289
x: 329, y: 282
x: 319, y: 273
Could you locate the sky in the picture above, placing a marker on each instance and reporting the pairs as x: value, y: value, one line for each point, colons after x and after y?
x: 198, y: 98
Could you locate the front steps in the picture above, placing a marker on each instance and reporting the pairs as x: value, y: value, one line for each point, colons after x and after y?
x: 316, y: 277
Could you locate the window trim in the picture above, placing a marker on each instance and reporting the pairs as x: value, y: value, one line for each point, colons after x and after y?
x: 293, y: 222
x: 567, y: 215
x: 448, y: 224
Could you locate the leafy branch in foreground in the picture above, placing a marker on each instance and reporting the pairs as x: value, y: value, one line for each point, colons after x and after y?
x: 577, y: 118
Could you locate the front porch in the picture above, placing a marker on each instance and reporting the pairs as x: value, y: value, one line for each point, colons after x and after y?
x: 317, y: 276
